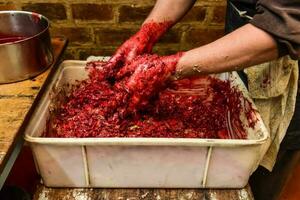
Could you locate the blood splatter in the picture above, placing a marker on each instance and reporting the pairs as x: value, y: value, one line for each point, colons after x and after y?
x: 265, y: 82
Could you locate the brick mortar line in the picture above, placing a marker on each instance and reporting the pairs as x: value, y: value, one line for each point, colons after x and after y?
x: 130, y: 25
x: 68, y: 11
x: 210, y: 15
x: 117, y: 14
x: 93, y: 35
x: 18, y: 96
x: 115, y: 2
x: 118, y: 3
x: 115, y: 20
x: 92, y: 22
x: 90, y: 1
x: 109, y: 47
x: 110, y: 23
x: 114, y: 26
x: 114, y: 46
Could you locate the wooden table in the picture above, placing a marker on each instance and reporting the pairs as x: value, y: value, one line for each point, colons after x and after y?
x: 16, y: 99
x: 44, y: 193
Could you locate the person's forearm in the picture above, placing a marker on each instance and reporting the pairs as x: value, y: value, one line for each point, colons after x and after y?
x: 163, y: 16
x: 169, y: 10
x: 245, y: 47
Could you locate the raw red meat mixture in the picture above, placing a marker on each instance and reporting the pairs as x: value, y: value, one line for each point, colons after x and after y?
x: 129, y: 97
x: 96, y: 109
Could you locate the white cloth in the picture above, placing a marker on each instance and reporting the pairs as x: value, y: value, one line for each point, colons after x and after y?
x: 273, y: 87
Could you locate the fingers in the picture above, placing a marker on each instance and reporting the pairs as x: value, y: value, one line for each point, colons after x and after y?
x: 116, y: 58
x: 129, y: 68
x: 126, y: 52
x: 132, y: 54
x: 135, y: 81
x: 121, y: 58
x: 126, y: 70
x: 116, y: 62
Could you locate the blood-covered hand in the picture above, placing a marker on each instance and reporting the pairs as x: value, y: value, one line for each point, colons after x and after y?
x: 140, y: 43
x: 148, y: 74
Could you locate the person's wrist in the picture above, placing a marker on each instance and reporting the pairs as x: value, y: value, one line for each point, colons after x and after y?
x: 174, y: 58
x: 143, y: 36
x: 184, y: 69
x: 153, y: 31
x: 172, y: 61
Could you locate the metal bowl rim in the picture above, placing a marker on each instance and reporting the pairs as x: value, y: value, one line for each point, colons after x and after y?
x: 28, y: 13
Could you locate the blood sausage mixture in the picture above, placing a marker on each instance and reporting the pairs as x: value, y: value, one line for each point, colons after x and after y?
x: 132, y: 98
x: 189, y: 108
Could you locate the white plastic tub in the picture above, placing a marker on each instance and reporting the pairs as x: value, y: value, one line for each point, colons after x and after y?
x: 140, y: 162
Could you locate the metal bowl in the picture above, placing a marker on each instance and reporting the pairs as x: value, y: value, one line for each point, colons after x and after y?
x: 25, y: 45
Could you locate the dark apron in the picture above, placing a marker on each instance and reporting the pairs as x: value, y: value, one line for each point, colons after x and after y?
x: 239, y: 14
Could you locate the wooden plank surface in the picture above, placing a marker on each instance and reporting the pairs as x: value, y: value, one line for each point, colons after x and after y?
x: 44, y: 193
x: 15, y: 102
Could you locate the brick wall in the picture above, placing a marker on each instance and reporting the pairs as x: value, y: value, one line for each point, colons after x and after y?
x: 98, y: 26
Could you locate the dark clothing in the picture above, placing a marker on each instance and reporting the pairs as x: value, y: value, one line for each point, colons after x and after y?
x: 265, y: 184
x: 234, y: 21
x: 280, y: 18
